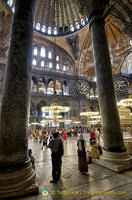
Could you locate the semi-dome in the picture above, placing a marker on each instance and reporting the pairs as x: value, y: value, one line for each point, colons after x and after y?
x: 56, y: 17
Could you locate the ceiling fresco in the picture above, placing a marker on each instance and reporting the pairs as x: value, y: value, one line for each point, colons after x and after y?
x: 61, y: 15
x: 56, y: 17
x: 119, y: 47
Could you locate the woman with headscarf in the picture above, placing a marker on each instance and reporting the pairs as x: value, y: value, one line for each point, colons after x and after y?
x: 82, y: 161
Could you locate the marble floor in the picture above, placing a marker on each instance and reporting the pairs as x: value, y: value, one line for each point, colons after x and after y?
x: 99, y: 184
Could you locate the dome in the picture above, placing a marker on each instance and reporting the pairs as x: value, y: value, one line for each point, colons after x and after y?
x: 56, y: 17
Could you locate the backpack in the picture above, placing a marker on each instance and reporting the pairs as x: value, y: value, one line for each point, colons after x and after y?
x: 61, y: 150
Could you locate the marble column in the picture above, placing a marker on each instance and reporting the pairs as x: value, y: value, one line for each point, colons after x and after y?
x: 17, y: 178
x: 62, y: 91
x: 54, y: 82
x: 114, y: 150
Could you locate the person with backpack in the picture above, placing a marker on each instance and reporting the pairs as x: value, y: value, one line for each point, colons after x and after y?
x: 57, y: 151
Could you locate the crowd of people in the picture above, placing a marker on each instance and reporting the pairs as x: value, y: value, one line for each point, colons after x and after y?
x: 44, y: 137
x: 54, y: 139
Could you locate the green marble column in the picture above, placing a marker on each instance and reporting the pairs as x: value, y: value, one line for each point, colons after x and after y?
x: 16, y: 173
x: 113, y: 138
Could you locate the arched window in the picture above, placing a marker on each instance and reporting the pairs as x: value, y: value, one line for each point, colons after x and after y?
x: 65, y: 89
x: 42, y: 63
x: 91, y: 93
x: 71, y: 28
x: 13, y: 9
x: 49, y: 30
x: 50, y: 65
x: 43, y: 115
x: 95, y: 79
x: 57, y: 66
x: 41, y: 87
x: 77, y: 25
x: 57, y: 58
x: 50, y: 55
x: 86, y: 19
x: 43, y: 29
x: 42, y: 52
x: 34, y: 62
x: 10, y: 2
x: 82, y: 22
x: 50, y: 89
x: 67, y: 68
x: 55, y: 31
x: 35, y: 51
x: 58, y: 87
x: 127, y: 65
x: 34, y: 84
x: 64, y: 68
x: 38, y: 26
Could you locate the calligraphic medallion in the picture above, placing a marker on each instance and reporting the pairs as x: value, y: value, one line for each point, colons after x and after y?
x: 121, y: 84
x: 82, y: 87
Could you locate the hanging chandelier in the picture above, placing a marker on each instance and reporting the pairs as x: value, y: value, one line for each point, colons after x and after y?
x: 55, y: 108
x: 54, y: 111
x: 93, y: 116
x: 90, y: 113
x: 126, y: 102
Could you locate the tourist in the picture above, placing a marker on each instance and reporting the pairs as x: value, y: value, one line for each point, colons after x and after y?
x: 64, y: 136
x: 44, y: 138
x: 94, y: 152
x: 57, y: 150
x: 99, y: 147
x: 69, y: 132
x: 35, y: 136
x: 82, y: 161
x: 92, y: 134
x: 32, y: 158
x: 97, y: 133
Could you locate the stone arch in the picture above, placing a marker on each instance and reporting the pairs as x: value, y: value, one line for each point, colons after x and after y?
x: 126, y: 67
x: 122, y: 13
x: 51, y: 87
x: 34, y: 84
x: 65, y: 88
x: 41, y: 86
x: 58, y: 87
x: 91, y: 92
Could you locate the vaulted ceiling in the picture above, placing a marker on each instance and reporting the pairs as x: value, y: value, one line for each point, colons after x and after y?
x: 62, y: 17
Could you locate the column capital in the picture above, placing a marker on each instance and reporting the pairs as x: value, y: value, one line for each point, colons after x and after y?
x: 90, y: 7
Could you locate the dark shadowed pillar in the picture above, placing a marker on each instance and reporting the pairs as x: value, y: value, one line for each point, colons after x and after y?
x: 16, y: 174
x: 114, y: 156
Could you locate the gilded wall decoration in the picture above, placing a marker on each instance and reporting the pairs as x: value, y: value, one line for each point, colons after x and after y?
x: 126, y: 67
x: 82, y: 87
x: 121, y: 84
x: 5, y: 28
